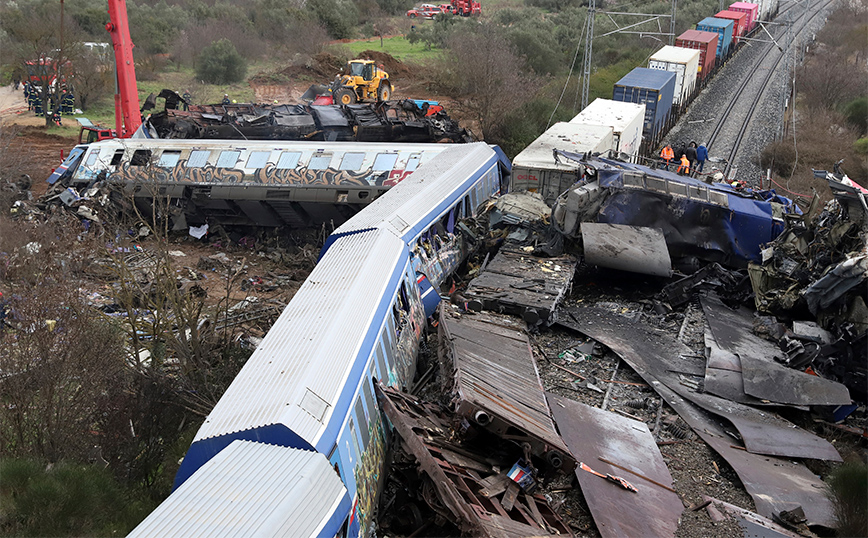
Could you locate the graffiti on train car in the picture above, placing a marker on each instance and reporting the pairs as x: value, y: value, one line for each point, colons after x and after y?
x: 269, y: 175
x: 368, y: 472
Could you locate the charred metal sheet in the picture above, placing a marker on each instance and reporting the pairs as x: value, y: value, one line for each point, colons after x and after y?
x: 723, y: 374
x: 458, y: 494
x: 389, y: 121
x: 517, y: 283
x: 775, y: 484
x: 626, y: 248
x: 496, y: 382
x: 762, y: 431
x: 754, y: 525
x: 763, y: 377
x: 592, y: 434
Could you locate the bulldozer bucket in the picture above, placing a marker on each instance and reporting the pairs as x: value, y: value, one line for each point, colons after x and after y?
x: 314, y: 91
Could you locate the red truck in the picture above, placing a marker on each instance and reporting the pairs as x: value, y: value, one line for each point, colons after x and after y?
x: 466, y: 8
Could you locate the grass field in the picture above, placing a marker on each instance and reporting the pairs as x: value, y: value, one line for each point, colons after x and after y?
x: 396, y: 46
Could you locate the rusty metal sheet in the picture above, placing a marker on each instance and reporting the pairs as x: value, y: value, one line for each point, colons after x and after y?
x: 458, y: 493
x: 528, y: 286
x: 496, y: 382
x: 763, y: 432
x: 627, y: 248
x: 765, y: 378
x: 593, y: 433
x: 775, y: 484
x: 754, y: 525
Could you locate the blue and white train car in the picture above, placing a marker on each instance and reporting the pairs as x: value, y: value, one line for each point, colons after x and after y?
x: 424, y: 212
x: 356, y: 320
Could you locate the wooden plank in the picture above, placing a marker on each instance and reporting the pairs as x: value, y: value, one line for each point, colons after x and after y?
x: 510, y: 496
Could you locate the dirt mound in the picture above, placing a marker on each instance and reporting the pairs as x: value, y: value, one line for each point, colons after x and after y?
x: 392, y: 65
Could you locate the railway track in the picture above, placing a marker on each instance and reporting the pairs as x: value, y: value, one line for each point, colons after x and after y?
x: 741, y: 107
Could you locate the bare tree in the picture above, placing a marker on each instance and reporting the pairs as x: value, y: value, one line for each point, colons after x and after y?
x: 486, y: 70
x: 36, y: 43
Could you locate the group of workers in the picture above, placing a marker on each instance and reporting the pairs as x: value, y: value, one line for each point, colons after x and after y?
x: 66, y: 105
x: 691, y: 158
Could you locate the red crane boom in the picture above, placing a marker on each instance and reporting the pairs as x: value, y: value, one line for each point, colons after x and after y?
x: 127, y: 116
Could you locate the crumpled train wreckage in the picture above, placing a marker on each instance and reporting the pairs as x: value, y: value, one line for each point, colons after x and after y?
x: 388, y: 121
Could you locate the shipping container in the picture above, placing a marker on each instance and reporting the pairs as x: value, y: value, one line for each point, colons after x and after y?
x: 740, y: 23
x: 535, y: 168
x: 705, y: 43
x: 767, y: 9
x: 684, y: 63
x: 751, y: 10
x: 654, y: 88
x: 626, y: 121
x: 723, y: 27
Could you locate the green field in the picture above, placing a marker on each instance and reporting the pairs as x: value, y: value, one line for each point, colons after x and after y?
x: 396, y: 46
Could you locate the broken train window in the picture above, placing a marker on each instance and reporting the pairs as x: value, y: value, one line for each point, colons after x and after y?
x: 141, y: 157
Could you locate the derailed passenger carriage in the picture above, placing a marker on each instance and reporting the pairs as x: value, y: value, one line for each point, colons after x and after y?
x: 263, y: 183
x: 699, y: 221
x: 308, y: 389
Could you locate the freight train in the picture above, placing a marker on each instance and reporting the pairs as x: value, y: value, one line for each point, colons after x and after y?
x: 296, y: 445
x: 645, y: 103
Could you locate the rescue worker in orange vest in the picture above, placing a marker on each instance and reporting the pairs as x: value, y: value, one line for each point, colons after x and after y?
x: 684, y: 168
x: 666, y: 156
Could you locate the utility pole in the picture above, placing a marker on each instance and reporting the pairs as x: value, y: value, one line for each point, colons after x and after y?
x: 589, y: 46
x: 672, y: 23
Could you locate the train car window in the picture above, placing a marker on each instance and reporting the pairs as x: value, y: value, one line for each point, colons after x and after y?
x: 169, y: 159
x: 258, y: 159
x: 450, y: 220
x: 228, y: 159
x: 198, y: 158
x: 117, y: 157
x: 91, y: 159
x: 381, y: 362
x: 288, y: 160
x: 404, y: 299
x: 393, y: 343
x: 363, y: 420
x: 413, y: 162
x: 141, y: 157
x: 468, y: 209
x: 320, y: 161
x: 352, y: 161
x: 357, y: 455
x: 385, y: 162
x: 369, y: 395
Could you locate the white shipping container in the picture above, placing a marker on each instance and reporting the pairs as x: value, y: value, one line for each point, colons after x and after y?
x: 626, y: 121
x: 683, y: 62
x: 535, y: 169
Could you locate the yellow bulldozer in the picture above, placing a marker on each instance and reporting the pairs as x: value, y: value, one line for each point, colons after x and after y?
x: 361, y: 80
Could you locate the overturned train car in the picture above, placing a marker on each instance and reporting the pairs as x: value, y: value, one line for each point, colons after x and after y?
x: 700, y: 222
x: 386, y: 121
x: 302, y: 410
x: 256, y: 182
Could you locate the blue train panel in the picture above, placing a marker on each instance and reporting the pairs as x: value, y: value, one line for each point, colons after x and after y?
x: 723, y: 28
x: 653, y: 88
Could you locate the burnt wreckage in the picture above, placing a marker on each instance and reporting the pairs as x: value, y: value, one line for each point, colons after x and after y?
x: 388, y: 121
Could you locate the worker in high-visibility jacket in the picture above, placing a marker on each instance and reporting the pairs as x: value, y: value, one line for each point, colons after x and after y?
x: 666, y: 156
x: 684, y: 167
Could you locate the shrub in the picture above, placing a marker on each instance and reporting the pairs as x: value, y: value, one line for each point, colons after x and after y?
x: 857, y: 113
x: 220, y: 63
x: 861, y: 146
x: 779, y: 156
x: 848, y: 489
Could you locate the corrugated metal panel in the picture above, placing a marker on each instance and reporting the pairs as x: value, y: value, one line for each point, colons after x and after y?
x: 624, y: 118
x: 578, y: 138
x: 321, y: 330
x: 253, y: 489
x: 412, y: 198
x: 752, y: 11
x: 684, y: 62
x: 705, y: 43
x: 723, y: 28
x: 740, y: 20
x: 654, y: 88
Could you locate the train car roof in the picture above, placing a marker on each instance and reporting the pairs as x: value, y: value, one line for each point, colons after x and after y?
x: 417, y: 201
x: 296, y: 388
x: 254, y: 489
